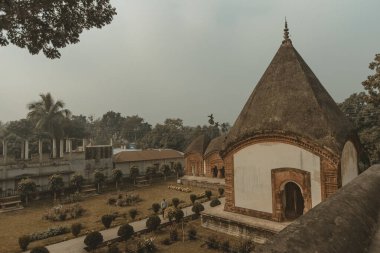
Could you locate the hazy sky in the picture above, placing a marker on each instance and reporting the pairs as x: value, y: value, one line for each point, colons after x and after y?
x: 190, y: 58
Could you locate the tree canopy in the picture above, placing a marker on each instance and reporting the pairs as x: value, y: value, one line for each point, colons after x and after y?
x: 366, y: 117
x: 372, y: 84
x: 48, y: 26
x: 48, y: 115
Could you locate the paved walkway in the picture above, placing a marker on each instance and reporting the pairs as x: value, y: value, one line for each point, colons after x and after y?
x: 77, y: 245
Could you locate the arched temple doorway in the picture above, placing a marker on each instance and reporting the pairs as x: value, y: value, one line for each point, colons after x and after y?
x: 291, y: 193
x: 293, y: 201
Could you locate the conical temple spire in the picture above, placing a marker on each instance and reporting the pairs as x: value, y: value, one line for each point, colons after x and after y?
x: 286, y: 40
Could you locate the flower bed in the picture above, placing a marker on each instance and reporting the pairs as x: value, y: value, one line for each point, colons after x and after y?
x: 49, y: 233
x: 64, y: 212
x: 128, y: 200
x: 179, y: 188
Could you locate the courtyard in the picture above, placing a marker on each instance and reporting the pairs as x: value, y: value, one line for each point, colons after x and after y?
x: 30, y: 220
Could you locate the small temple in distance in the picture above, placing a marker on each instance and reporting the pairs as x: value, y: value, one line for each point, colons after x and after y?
x: 203, y: 165
x: 290, y: 148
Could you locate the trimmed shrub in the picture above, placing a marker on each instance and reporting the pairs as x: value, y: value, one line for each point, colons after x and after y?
x: 215, y: 202
x: 125, y: 231
x: 93, y: 240
x: 192, y: 234
x: 178, y: 215
x: 221, y: 191
x: 62, y: 216
x: 175, y: 202
x: 39, y: 250
x: 113, y: 249
x: 197, y: 208
x: 132, y: 213
x: 156, y: 207
x: 24, y: 241
x: 76, y: 228
x: 107, y: 220
x: 245, y: 246
x: 225, y: 246
x: 166, y: 241
x: 212, y: 242
x: 111, y: 201
x: 208, y: 194
x: 193, y: 197
x: 153, y: 222
x: 170, y: 213
x: 173, y: 234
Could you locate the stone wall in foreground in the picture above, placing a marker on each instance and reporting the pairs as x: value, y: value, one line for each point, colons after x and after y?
x: 346, y: 222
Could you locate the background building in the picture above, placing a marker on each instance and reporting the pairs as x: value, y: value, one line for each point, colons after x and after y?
x: 143, y: 159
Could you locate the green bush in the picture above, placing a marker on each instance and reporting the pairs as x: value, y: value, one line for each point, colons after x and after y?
x: 76, y: 228
x: 225, y: 246
x: 156, y: 207
x: 245, y: 246
x: 39, y: 250
x: 178, y: 215
x: 132, y: 213
x: 193, y: 197
x: 221, y: 191
x: 212, y: 242
x: 24, y: 241
x: 208, y: 194
x: 173, y: 234
x: 111, y: 201
x: 62, y: 216
x: 153, y: 222
x: 93, y: 240
x: 192, y: 234
x: 125, y: 231
x: 175, y: 202
x: 166, y: 241
x: 214, y: 202
x: 197, y: 208
x: 107, y: 220
x: 113, y: 249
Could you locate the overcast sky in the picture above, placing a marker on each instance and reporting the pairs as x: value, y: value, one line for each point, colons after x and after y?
x: 189, y: 58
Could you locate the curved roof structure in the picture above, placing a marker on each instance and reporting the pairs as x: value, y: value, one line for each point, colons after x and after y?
x: 289, y: 98
x: 198, y: 145
x: 215, y: 145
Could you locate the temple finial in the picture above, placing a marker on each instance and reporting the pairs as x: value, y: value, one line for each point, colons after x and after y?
x: 286, y: 34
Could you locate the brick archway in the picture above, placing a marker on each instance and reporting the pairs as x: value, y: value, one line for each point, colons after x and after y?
x: 282, y: 176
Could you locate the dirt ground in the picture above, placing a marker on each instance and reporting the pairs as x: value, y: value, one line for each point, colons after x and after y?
x: 29, y: 220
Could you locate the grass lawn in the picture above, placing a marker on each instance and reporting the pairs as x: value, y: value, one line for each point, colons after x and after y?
x: 29, y: 220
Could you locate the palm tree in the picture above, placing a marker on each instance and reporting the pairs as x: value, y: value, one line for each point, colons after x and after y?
x: 48, y: 116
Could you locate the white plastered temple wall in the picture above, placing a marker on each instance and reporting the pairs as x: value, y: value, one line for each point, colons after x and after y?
x: 349, y: 163
x: 252, y: 173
